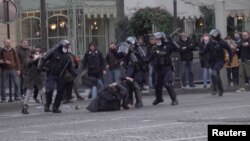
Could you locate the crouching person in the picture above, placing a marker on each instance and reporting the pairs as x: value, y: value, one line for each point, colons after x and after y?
x: 33, y: 77
x: 111, y: 98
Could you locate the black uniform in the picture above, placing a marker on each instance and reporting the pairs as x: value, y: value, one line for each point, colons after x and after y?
x: 217, y: 60
x: 164, y: 69
x: 58, y: 63
x: 132, y: 69
x: 131, y: 66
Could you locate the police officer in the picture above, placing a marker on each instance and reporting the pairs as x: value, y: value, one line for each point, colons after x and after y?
x: 164, y: 68
x: 58, y: 62
x: 217, y: 59
x: 141, y: 56
x: 131, y: 66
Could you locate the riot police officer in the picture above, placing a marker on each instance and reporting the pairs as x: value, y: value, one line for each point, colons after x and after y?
x: 141, y: 56
x: 163, y: 67
x: 131, y: 66
x: 217, y: 59
x: 58, y: 63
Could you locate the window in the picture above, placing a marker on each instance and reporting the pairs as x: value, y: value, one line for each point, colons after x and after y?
x: 31, y: 30
x: 95, y: 31
x: 57, y: 28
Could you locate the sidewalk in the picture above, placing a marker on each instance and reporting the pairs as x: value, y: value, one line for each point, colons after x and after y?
x: 16, y: 105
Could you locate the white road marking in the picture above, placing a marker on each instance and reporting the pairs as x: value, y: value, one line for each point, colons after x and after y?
x: 30, y: 132
x: 219, y: 108
x: 136, y: 137
x: 70, y: 133
x: 189, y: 138
x: 143, y: 127
x: 59, y: 124
x: 118, y: 118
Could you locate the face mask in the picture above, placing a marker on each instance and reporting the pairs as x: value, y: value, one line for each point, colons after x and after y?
x: 36, y: 56
x: 159, y: 43
x: 65, y: 50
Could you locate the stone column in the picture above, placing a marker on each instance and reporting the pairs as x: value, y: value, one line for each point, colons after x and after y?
x: 220, y: 17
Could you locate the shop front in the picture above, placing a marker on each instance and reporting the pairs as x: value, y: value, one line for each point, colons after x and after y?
x: 80, y: 21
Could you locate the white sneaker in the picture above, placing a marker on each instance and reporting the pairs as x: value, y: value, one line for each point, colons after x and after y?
x: 241, y: 90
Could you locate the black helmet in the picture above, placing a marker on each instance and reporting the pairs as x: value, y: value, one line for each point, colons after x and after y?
x: 160, y: 36
x: 131, y: 40
x: 215, y: 33
x: 64, y: 43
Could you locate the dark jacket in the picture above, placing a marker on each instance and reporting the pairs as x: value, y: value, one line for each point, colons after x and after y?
x: 108, y: 100
x: 59, y: 63
x: 23, y: 54
x: 112, y: 60
x: 244, y: 50
x: 162, y: 55
x: 186, y: 54
x: 204, y: 59
x: 11, y: 56
x: 94, y: 62
x: 33, y: 76
x: 1, y: 64
x: 217, y: 51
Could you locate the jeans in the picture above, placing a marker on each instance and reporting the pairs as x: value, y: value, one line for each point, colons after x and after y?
x: 206, y: 76
x: 114, y: 75
x: 152, y: 76
x: 94, y: 89
x: 244, y: 73
x: 233, y: 75
x: 5, y: 78
x: 186, y: 67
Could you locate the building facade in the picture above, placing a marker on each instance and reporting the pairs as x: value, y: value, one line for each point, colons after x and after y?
x: 83, y: 21
x: 80, y: 21
x: 188, y: 11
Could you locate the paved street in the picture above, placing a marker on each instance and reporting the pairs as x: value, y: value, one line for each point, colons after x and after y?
x: 187, y: 121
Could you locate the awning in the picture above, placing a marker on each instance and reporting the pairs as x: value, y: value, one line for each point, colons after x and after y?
x: 100, y: 9
x: 91, y: 8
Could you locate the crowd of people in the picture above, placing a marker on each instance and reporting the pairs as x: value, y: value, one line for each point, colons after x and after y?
x: 130, y: 64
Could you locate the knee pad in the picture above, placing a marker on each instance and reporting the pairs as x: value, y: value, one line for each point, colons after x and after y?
x: 168, y: 84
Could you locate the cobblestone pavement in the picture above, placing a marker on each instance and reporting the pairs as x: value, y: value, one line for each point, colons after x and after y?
x: 187, y: 121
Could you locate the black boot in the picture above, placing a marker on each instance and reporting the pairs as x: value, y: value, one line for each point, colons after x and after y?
x: 49, y: 95
x: 215, y: 84
x: 138, y: 96
x: 220, y: 85
x: 56, y: 110
x: 25, y: 109
x: 158, y: 94
x: 47, y: 109
x: 79, y: 98
x: 172, y: 95
x: 156, y: 102
x: 125, y: 102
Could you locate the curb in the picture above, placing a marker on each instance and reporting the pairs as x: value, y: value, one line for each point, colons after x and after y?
x: 10, y: 106
x: 16, y: 105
